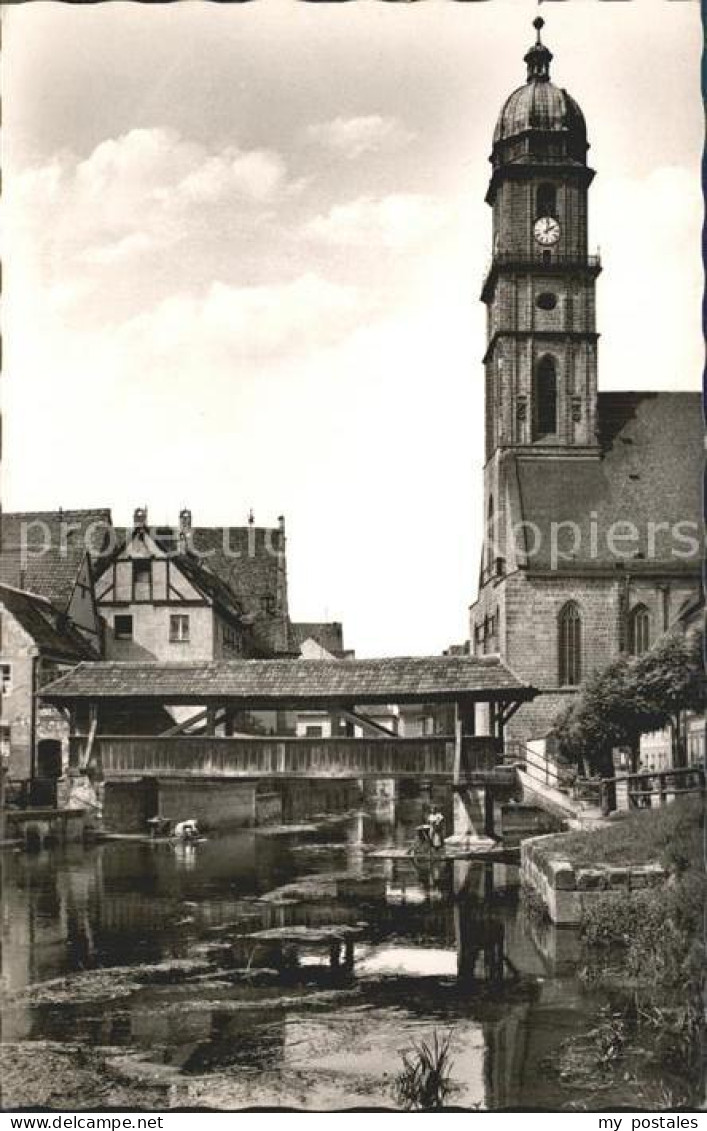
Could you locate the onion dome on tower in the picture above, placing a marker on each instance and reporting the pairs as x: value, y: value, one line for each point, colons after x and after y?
x: 539, y: 119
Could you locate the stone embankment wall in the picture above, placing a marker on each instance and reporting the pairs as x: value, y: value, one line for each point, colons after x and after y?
x: 566, y: 889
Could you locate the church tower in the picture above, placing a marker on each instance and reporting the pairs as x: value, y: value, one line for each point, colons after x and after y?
x: 541, y: 356
x: 568, y: 466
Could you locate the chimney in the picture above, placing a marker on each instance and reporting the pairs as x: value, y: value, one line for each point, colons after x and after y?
x: 185, y: 521
x: 281, y: 523
x: 140, y: 517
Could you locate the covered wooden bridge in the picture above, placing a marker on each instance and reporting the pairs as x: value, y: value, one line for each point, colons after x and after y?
x: 99, y: 695
x: 108, y: 705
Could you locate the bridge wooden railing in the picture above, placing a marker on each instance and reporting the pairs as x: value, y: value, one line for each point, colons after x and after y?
x: 208, y: 756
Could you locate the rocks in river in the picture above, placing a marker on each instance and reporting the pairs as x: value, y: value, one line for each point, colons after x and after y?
x: 327, y: 885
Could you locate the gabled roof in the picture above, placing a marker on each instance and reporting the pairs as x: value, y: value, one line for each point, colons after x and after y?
x: 329, y: 635
x: 276, y: 683
x: 208, y: 584
x: 242, y: 569
x: 42, y: 551
x: 648, y: 474
x: 56, y: 637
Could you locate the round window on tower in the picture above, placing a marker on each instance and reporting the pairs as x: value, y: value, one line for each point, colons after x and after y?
x: 547, y: 300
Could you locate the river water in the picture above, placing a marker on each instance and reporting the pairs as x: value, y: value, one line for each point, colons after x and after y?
x: 136, y: 949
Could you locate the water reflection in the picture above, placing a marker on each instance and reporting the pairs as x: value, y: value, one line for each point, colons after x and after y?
x: 444, y: 946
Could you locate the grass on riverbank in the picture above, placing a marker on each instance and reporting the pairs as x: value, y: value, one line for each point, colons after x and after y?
x: 671, y: 836
x: 654, y: 935
x: 646, y: 949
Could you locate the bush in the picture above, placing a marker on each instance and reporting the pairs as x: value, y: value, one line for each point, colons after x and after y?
x: 652, y: 936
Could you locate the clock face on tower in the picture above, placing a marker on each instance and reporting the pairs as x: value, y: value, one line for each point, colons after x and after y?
x: 546, y: 231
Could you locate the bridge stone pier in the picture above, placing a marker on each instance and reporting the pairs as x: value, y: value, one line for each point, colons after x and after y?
x: 203, y: 750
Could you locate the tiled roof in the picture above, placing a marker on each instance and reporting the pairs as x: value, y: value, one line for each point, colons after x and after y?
x: 250, y: 560
x: 280, y: 682
x: 55, y: 543
x: 247, y: 558
x: 54, y: 635
x: 329, y: 635
x: 649, y: 474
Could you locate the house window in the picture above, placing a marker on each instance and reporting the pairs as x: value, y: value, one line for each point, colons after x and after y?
x: 545, y: 398
x: 6, y: 678
x: 123, y: 627
x: 639, y: 631
x: 313, y: 732
x: 178, y: 628
x: 142, y: 579
x: 570, y: 645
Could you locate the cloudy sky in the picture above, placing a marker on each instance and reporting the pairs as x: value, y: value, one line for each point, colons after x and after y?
x: 243, y: 249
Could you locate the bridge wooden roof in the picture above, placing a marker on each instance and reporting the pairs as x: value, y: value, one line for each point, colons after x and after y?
x: 295, y: 683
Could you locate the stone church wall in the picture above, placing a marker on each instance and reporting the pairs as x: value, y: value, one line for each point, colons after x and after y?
x: 527, y: 610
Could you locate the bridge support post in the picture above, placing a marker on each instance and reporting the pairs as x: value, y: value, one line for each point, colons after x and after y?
x: 473, y: 805
x: 473, y: 815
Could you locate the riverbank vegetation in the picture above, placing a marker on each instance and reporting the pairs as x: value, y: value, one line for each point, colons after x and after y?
x: 645, y: 949
x: 425, y: 1080
x: 670, y: 835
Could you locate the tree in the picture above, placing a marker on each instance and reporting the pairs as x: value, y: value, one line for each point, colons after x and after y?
x: 619, y: 703
x: 669, y: 680
x: 599, y: 719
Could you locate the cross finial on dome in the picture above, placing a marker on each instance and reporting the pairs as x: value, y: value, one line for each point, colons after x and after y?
x: 539, y: 57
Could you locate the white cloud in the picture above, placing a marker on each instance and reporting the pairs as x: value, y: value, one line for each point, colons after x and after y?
x: 135, y: 243
x: 398, y: 221
x: 242, y: 322
x: 352, y: 137
x: 139, y: 192
x: 256, y: 175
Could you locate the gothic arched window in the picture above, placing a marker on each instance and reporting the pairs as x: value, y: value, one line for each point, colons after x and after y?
x: 547, y: 200
x: 490, y: 536
x: 545, y: 398
x: 569, y: 639
x: 639, y: 631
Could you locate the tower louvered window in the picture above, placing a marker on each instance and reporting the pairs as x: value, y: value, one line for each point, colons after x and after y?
x: 570, y: 645
x: 547, y: 200
x: 545, y: 398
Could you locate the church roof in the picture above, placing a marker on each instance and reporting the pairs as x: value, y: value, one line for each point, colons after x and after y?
x: 649, y: 474
x: 540, y: 105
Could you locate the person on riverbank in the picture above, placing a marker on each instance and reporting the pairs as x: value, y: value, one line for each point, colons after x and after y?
x: 432, y: 832
x: 435, y: 821
x: 186, y: 830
